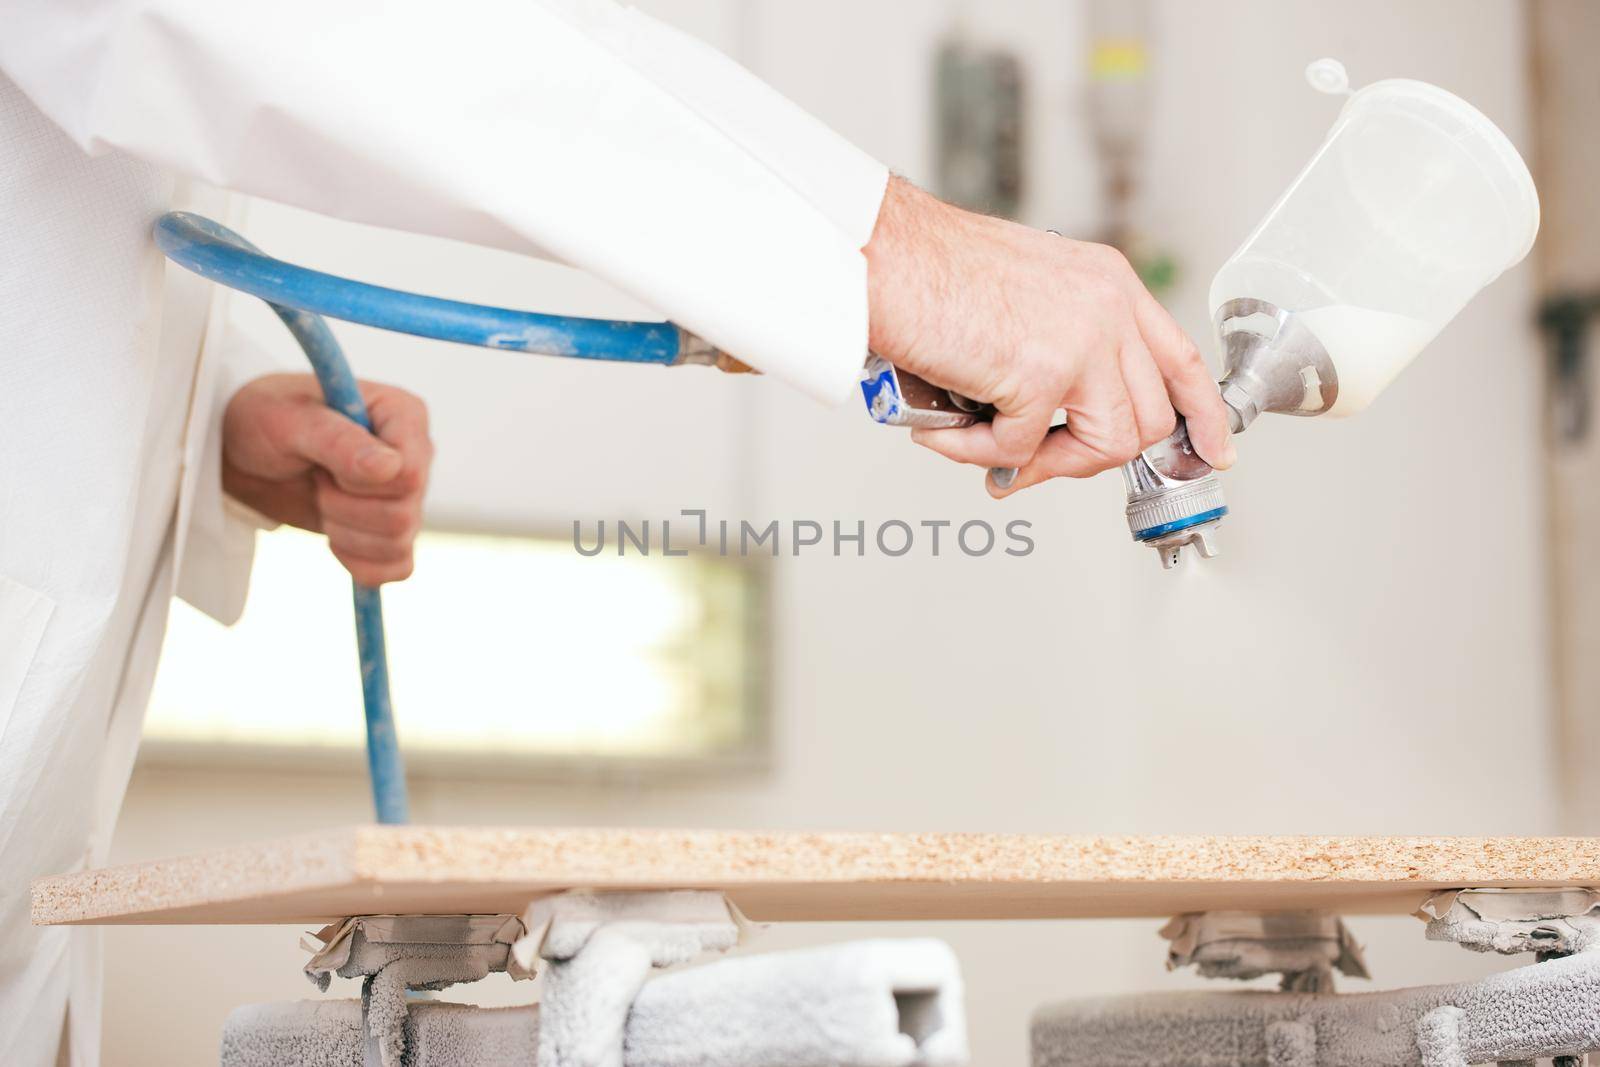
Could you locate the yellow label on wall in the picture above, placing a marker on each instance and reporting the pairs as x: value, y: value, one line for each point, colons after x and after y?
x: 1118, y: 59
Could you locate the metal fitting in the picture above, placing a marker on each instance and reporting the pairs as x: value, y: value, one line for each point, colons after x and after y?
x: 1303, y: 947
x: 1550, y: 923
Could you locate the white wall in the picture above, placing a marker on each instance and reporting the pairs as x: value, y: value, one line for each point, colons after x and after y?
x: 1366, y: 657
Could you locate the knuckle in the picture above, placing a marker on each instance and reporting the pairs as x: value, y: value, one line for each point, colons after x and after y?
x: 329, y: 439
x: 397, y: 525
x: 331, y: 500
x: 1104, y: 291
x: 404, y: 402
x: 385, y: 519
x: 1159, y: 428
x: 403, y: 525
x: 281, y: 424
x: 354, y: 544
x: 1118, y: 310
x: 1124, y: 445
x: 1113, y: 263
x: 410, y: 480
x: 1189, y: 356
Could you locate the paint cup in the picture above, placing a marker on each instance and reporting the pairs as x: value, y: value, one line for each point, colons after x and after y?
x: 1413, y: 203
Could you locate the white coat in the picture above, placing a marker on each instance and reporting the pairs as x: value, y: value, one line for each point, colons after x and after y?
x: 569, y: 128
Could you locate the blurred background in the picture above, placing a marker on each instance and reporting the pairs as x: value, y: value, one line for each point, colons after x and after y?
x: 1362, y: 659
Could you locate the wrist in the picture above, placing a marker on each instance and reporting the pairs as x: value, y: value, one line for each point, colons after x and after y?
x: 902, y: 256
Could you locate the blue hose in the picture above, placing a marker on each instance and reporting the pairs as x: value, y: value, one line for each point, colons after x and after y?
x: 384, y: 764
x: 217, y: 253
x: 300, y: 297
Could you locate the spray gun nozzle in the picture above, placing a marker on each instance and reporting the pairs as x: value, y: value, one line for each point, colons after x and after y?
x: 1174, y: 498
x: 1272, y: 363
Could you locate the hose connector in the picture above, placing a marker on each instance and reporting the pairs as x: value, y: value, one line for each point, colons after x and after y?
x: 694, y: 350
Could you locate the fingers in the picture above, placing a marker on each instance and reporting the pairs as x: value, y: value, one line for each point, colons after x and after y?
x: 392, y: 460
x: 399, y: 519
x: 1061, y: 456
x: 1188, y: 381
x: 1102, y: 432
x: 400, y: 420
x: 328, y: 440
x: 1009, y: 441
x: 1066, y: 453
x: 1152, y: 408
x: 1101, y: 425
x: 371, y: 536
x: 294, y: 459
x: 373, y: 572
x: 372, y: 518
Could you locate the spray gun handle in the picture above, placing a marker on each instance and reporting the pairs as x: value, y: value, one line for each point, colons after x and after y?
x: 896, y: 398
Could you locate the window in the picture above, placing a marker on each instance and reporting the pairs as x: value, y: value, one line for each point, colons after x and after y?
x: 504, y: 651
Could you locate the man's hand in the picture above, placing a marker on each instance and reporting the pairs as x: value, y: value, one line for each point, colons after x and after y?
x: 1031, y: 322
x: 292, y: 458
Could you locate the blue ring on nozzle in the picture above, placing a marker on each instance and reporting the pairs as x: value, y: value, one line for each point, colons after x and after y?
x: 1153, y: 532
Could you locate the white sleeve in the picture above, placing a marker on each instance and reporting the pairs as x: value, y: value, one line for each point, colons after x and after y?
x: 576, y: 129
x: 220, y: 535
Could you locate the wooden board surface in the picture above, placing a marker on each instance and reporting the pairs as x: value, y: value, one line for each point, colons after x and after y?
x: 806, y: 876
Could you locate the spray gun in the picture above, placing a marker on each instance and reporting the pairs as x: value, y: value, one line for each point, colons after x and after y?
x: 1272, y: 362
x: 1413, y: 203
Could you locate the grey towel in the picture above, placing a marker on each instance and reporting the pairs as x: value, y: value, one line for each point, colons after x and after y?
x: 1531, y: 1013
x: 327, y: 1033
x: 865, y: 1004
x: 304, y: 1033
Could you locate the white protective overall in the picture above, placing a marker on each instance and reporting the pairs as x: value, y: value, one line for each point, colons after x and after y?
x: 574, y: 129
